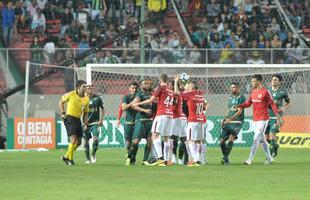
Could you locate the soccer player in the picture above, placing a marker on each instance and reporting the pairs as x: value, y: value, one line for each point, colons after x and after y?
x: 95, y: 119
x: 144, y: 120
x: 232, y: 123
x: 130, y: 118
x: 161, y: 124
x: 260, y: 98
x: 278, y: 94
x: 196, y: 119
x: 77, y: 104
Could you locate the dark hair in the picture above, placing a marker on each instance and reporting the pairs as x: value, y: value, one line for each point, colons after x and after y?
x: 278, y: 76
x: 171, y: 83
x: 134, y: 83
x: 258, y: 77
x: 164, y: 78
x: 195, y: 84
x: 79, y: 83
x: 235, y: 83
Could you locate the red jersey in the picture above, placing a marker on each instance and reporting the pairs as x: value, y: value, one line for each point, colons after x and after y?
x: 178, y: 110
x: 260, y: 99
x: 195, y: 103
x: 165, y: 100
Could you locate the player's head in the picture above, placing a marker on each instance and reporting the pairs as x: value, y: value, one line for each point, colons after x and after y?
x: 80, y: 86
x: 133, y: 87
x: 145, y: 85
x: 276, y: 80
x: 89, y: 90
x: 192, y: 85
x: 234, y: 88
x: 256, y: 81
x: 171, y: 85
x: 163, y: 78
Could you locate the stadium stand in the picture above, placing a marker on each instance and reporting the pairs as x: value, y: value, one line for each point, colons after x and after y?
x: 229, y: 26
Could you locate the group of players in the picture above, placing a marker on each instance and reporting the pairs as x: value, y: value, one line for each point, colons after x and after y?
x: 175, y: 113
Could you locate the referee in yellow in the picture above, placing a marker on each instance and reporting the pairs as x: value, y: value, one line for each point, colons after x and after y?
x: 77, y: 106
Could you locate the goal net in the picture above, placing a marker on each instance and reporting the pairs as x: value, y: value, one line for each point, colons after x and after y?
x: 111, y: 83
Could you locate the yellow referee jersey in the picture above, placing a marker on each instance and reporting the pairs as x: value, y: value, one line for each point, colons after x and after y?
x: 76, y: 105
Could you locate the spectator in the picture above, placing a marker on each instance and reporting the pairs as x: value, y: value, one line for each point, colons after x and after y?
x: 82, y: 16
x: 36, y: 56
x: 66, y: 21
x: 20, y: 15
x: 187, y: 59
x: 294, y: 53
x: 231, y: 40
x: 98, y: 6
x: 38, y: 24
x: 226, y: 54
x: 73, y: 31
x: 268, y: 32
x: 213, y: 9
x: 275, y: 42
x: 8, y: 21
x: 49, y: 50
x: 158, y: 59
x: 41, y: 4
x: 155, y: 42
x: 175, y: 40
x: 275, y: 27
x: 256, y: 58
x: 224, y: 30
x: 287, y: 43
x: 195, y: 55
x: 216, y: 43
x: 261, y: 41
x: 204, y: 25
x: 254, y: 44
x: 253, y: 33
x: 240, y: 35
x: 32, y: 8
x: 111, y: 59
x: 83, y: 45
x: 98, y: 58
x: 101, y: 21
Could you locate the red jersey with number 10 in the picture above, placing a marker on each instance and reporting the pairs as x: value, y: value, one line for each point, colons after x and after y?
x: 165, y: 101
x: 260, y: 99
x: 196, y: 104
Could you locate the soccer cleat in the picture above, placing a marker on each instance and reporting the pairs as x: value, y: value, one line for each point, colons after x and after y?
x: 195, y: 164
x: 180, y: 162
x: 268, y: 162
x: 158, y: 162
x: 127, y: 162
x: 164, y: 164
x: 87, y: 161
x: 275, y: 153
x: 93, y: 159
x: 65, y: 159
x: 247, y: 162
x: 222, y: 161
x: 71, y: 163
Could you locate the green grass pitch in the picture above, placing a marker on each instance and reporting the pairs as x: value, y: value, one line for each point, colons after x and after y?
x: 42, y: 175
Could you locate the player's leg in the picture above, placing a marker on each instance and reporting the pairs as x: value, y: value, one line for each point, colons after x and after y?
x: 95, y: 134
x: 223, y: 139
x: 274, y: 129
x: 133, y: 149
x: 87, y: 136
x: 182, y: 151
x: 191, y: 141
x: 128, y: 135
x: 148, y: 134
x: 234, y: 130
x: 157, y: 130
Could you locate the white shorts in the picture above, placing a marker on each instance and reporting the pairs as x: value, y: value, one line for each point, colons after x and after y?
x: 162, y: 125
x: 259, y: 130
x: 179, y: 127
x: 195, y: 131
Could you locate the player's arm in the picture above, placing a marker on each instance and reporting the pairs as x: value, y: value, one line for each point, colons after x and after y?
x: 125, y: 105
x: 102, y: 112
x: 148, y: 101
x: 234, y: 117
x: 119, y: 115
x: 247, y: 104
x: 287, y: 105
x: 274, y: 109
x: 64, y: 99
x: 176, y: 85
x: 138, y: 108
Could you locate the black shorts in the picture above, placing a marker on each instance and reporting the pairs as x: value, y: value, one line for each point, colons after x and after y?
x: 73, y: 126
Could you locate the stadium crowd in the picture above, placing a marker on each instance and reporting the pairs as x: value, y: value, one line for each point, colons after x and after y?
x: 223, y: 30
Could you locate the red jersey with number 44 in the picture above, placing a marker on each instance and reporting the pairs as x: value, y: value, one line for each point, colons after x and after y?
x: 260, y: 99
x: 195, y: 103
x: 165, y: 101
